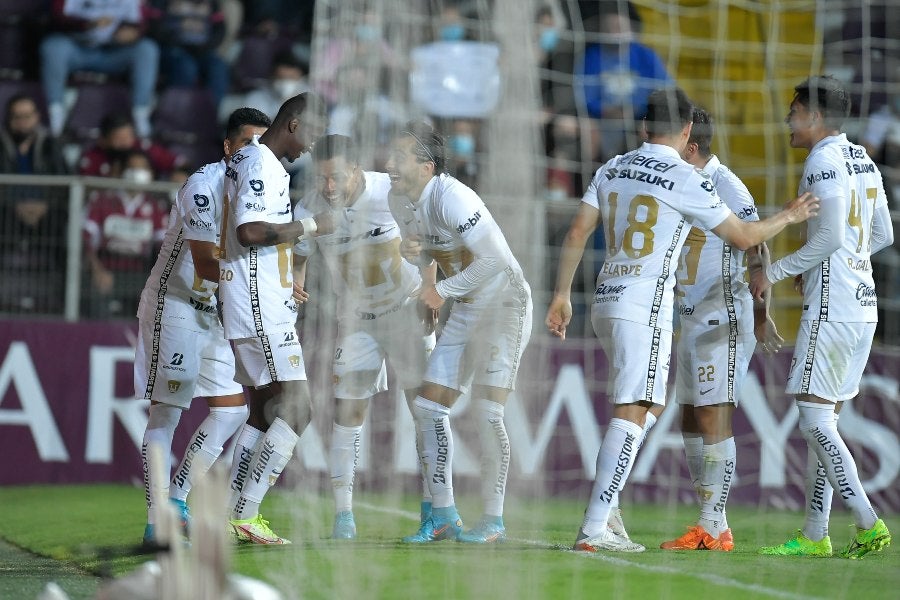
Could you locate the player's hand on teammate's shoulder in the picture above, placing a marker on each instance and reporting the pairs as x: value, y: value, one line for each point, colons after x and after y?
x: 802, y: 208
x: 324, y: 222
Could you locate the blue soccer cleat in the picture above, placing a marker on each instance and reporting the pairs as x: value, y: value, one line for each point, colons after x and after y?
x: 444, y: 524
x: 488, y: 531
x: 344, y: 526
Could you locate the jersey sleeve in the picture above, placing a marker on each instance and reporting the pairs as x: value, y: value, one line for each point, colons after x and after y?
x: 248, y: 187
x: 701, y: 203
x: 199, y: 210
x: 468, y: 215
x: 305, y: 245
x: 590, y: 194
x: 736, y: 196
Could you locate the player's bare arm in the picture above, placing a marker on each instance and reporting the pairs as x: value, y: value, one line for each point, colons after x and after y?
x: 261, y: 233
x: 746, y: 235
x: 764, y: 328
x: 560, y: 311
x: 206, y: 259
x: 300, y: 294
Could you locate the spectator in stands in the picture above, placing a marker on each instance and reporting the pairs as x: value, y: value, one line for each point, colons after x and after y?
x: 189, y: 34
x: 25, y: 144
x: 614, y: 80
x: 122, y: 233
x: 287, y: 79
x: 32, y: 253
x: 99, y: 35
x: 276, y: 18
x: 117, y: 139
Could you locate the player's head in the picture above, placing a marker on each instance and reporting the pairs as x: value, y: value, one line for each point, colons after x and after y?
x: 338, y: 175
x: 669, y: 115
x: 700, y: 141
x: 299, y: 122
x: 819, y: 108
x: 417, y: 154
x: 242, y: 125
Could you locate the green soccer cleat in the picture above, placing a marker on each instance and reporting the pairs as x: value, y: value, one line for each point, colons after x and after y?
x: 256, y: 531
x: 800, y: 546
x: 868, y: 540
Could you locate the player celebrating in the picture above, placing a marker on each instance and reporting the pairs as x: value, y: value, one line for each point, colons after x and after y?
x: 258, y: 310
x: 839, y: 310
x: 719, y: 330
x: 377, y: 317
x: 644, y: 198
x: 182, y: 351
x: 485, y: 334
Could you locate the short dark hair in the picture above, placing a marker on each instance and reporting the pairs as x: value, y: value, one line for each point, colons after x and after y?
x: 245, y: 116
x: 825, y: 94
x: 15, y: 99
x: 702, y: 131
x: 668, y: 111
x: 287, y: 58
x: 332, y: 146
x: 430, y: 144
x: 295, y: 107
x: 113, y: 121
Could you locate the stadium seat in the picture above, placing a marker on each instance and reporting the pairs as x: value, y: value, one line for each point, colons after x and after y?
x: 92, y: 104
x: 186, y: 117
x: 252, y: 66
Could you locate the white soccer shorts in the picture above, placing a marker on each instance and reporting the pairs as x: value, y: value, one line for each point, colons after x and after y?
x: 711, y: 363
x: 262, y: 360
x: 173, y: 365
x: 364, y: 345
x: 829, y: 359
x: 638, y: 357
x: 482, y: 345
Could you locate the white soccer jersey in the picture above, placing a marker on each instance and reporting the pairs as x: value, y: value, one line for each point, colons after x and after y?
x: 174, y: 293
x: 709, y: 285
x: 363, y: 253
x: 256, y: 281
x: 456, y: 228
x: 849, y: 185
x: 645, y: 198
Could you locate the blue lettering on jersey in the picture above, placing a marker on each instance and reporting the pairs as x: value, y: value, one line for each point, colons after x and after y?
x: 472, y: 222
x: 823, y: 176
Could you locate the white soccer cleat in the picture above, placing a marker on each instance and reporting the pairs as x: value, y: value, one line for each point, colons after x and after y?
x: 615, y: 523
x: 605, y: 540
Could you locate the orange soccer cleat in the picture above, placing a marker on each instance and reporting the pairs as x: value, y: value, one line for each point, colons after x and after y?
x: 697, y: 538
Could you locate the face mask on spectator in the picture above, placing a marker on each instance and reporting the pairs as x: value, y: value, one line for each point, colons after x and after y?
x: 137, y: 175
x: 549, y: 40
x: 288, y: 88
x: 463, y: 145
x: 453, y: 33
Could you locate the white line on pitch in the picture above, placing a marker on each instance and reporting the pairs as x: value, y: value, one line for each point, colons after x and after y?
x: 615, y: 560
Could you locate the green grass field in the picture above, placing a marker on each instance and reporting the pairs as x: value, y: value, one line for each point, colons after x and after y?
x: 74, y: 534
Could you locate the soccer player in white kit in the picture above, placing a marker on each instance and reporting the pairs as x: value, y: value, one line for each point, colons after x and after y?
x: 644, y: 200
x: 378, y: 315
x: 839, y: 310
x: 486, y: 332
x: 258, y: 310
x: 182, y: 351
x: 719, y: 328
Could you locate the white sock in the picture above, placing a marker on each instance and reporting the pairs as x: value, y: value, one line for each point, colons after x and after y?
x: 426, y: 490
x: 160, y: 430
x: 649, y: 422
x: 693, y: 451
x: 141, y: 117
x: 715, y: 483
x: 819, y: 494
x: 344, y: 458
x: 433, y: 421
x: 614, y: 461
x: 244, y: 451
x: 206, y: 446
x: 818, y: 426
x: 272, y: 454
x: 494, y: 456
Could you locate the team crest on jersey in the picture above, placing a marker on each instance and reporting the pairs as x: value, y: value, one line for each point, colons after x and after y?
x: 294, y: 359
x: 174, y: 386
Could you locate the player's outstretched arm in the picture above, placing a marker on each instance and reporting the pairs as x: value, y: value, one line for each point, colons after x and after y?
x: 746, y: 235
x: 300, y: 294
x: 763, y: 326
x: 261, y: 233
x: 206, y: 259
x: 560, y: 311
